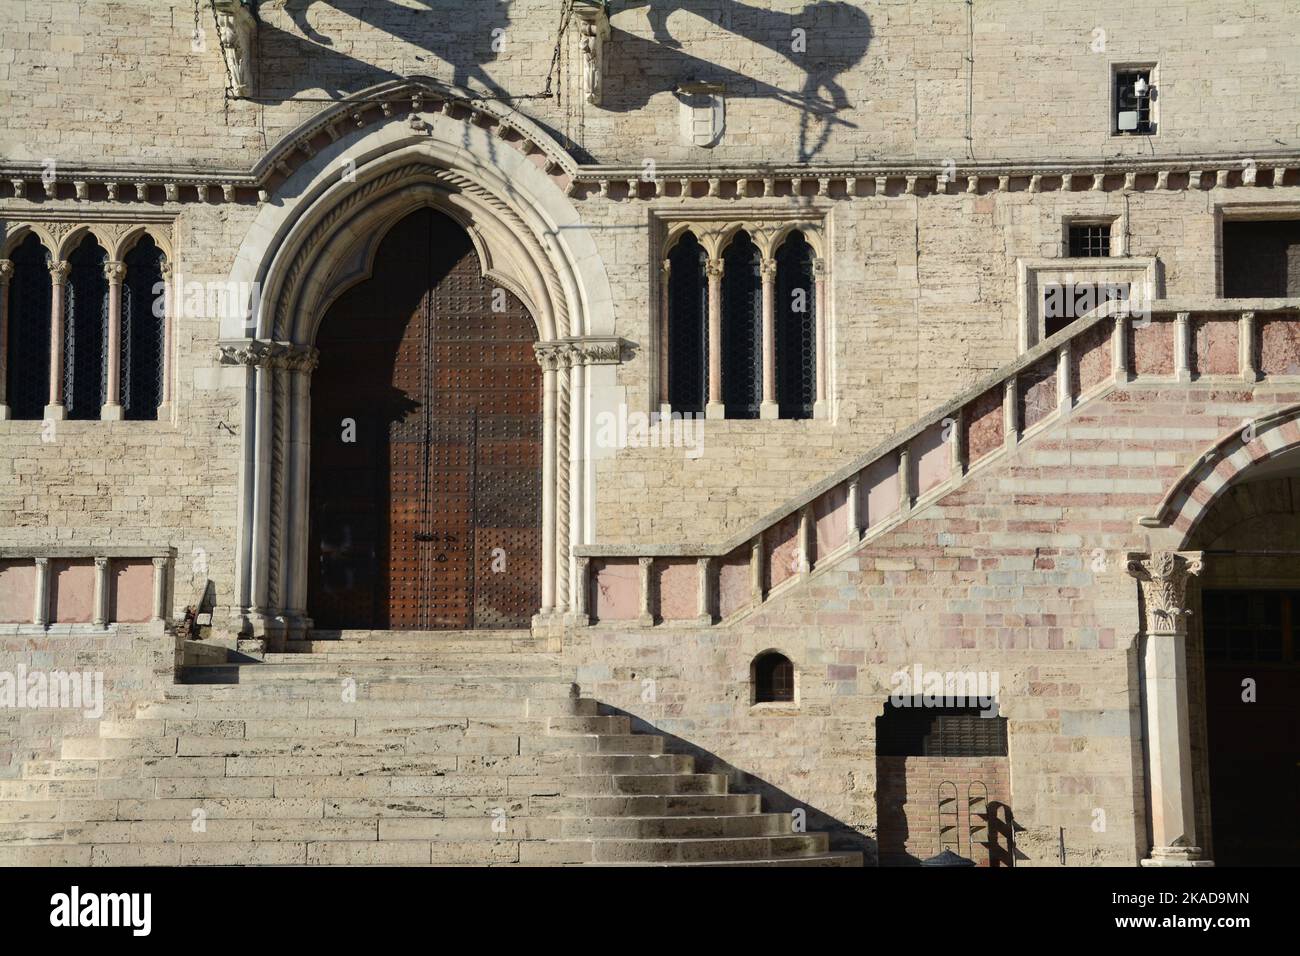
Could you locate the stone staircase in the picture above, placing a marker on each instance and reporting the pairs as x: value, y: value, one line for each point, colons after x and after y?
x: 373, y: 748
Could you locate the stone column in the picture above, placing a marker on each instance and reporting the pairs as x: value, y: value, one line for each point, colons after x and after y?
x: 715, y: 407
x: 41, y: 604
x: 665, y: 289
x: 645, y: 569
x: 112, y: 407
x: 101, y: 592
x: 58, y: 279
x: 1246, y: 347
x: 1163, y: 578
x: 160, y: 566
x: 768, y: 408
x: 576, y: 456
x: 704, y: 598
x: 821, y: 409
x: 169, y: 306
x: 6, y: 272
x: 1183, y: 346
x: 550, y: 359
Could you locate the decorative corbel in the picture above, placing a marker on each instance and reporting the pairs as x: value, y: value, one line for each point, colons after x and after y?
x: 236, y: 27
x: 593, y: 31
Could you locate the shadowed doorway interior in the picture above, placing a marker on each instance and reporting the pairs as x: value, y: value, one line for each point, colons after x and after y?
x: 426, y: 444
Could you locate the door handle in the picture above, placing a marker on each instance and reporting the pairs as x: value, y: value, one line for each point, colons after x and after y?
x: 424, y: 536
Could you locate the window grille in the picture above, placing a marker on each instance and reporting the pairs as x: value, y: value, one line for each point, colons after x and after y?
x: 940, y: 732
x: 1089, y: 240
x: 85, y: 359
x: 28, y: 361
x: 773, y: 678
x: 796, y: 328
x: 143, y: 328
x: 688, y: 326
x: 742, y: 328
x: 1133, y: 109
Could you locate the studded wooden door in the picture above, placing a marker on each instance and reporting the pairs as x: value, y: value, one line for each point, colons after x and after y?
x: 426, y: 515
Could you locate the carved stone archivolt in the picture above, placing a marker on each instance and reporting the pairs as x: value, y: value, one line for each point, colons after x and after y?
x: 1163, y: 577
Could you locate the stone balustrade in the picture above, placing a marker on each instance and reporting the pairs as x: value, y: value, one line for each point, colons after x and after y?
x: 58, y: 586
x: 1234, y: 341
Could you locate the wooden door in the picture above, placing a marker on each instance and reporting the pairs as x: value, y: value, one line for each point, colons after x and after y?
x: 428, y: 516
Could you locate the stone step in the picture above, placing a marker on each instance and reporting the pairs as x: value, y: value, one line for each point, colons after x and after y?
x: 97, y: 748
x: 676, y: 827
x: 590, y: 725
x: 217, y: 708
x: 696, y: 850
x: 311, y: 678
x: 648, y: 805
x: 599, y: 743
x: 635, y: 764
x: 631, y: 783
x: 839, y: 858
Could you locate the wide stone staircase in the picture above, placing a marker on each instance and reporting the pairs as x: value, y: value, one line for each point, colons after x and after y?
x: 372, y: 748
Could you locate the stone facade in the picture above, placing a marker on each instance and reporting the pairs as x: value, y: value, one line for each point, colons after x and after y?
x: 940, y: 151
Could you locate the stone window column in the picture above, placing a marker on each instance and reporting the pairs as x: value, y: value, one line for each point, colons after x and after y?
x: 1163, y: 578
x: 58, y: 279
x: 769, y: 408
x: 553, y: 359
x: 6, y: 272
x: 820, y: 408
x: 169, y: 321
x: 112, y: 407
x: 160, y: 566
x: 665, y: 299
x: 715, y: 408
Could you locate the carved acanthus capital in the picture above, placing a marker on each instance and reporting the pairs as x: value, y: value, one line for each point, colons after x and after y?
x: 114, y: 271
x: 59, y: 271
x: 1163, y: 577
x: 258, y: 353
x: 714, y: 268
x: 236, y: 27
x: 553, y: 356
x: 593, y: 31
x: 6, y: 270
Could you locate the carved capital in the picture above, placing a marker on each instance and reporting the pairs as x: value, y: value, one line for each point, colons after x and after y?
x: 59, y: 271
x: 114, y: 271
x: 553, y: 356
x: 1163, y: 577
x: 767, y: 268
x: 6, y: 270
x: 597, y: 350
x: 714, y: 268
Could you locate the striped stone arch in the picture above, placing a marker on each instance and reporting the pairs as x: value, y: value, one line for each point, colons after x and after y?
x: 1209, y: 477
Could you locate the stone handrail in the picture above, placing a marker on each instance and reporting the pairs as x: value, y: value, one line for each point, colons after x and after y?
x: 1163, y: 340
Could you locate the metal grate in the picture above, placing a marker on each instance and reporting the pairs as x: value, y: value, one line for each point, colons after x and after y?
x: 773, y: 679
x: 28, y: 361
x: 1089, y: 240
x: 85, y: 360
x: 742, y: 328
x: 1128, y: 100
x: 940, y: 732
x: 688, y: 326
x: 143, y: 329
x: 796, y: 328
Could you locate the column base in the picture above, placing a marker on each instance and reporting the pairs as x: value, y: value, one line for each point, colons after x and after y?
x: 821, y: 410
x: 55, y: 413
x: 715, y: 410
x: 645, y: 620
x: 1162, y: 856
x: 111, y: 413
x: 4, y: 413
x: 165, y: 412
x: 769, y: 411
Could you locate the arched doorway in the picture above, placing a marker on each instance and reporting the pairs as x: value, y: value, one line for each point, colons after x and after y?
x: 426, y: 449
x: 1244, y: 667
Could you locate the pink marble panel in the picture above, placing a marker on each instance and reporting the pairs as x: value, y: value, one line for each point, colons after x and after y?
x: 1151, y: 346
x: 1279, y: 346
x: 984, y: 423
x: 1037, y: 388
x: 931, y: 459
x: 735, y: 589
x: 1092, y: 357
x: 880, y: 489
x: 677, y: 581
x: 17, y: 591
x: 781, y: 550
x: 1214, y: 345
x: 616, y: 591
x: 832, y: 513
x: 72, y: 590
x: 130, y: 591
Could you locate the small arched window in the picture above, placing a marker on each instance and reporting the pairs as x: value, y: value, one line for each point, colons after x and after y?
x: 742, y: 328
x: 27, y: 359
x: 143, y: 330
x: 688, y: 325
x: 85, y: 359
x: 773, y: 676
x: 796, y: 328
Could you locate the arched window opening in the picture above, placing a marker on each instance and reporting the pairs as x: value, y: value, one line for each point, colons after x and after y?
x: 773, y: 678
x: 688, y: 325
x: 27, y: 359
x: 143, y: 331
x: 742, y: 328
x: 796, y: 328
x: 85, y: 359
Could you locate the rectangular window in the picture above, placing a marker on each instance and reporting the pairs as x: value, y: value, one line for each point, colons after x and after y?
x: 1135, y: 95
x: 1062, y: 304
x: 1261, y: 259
x: 1088, y: 240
